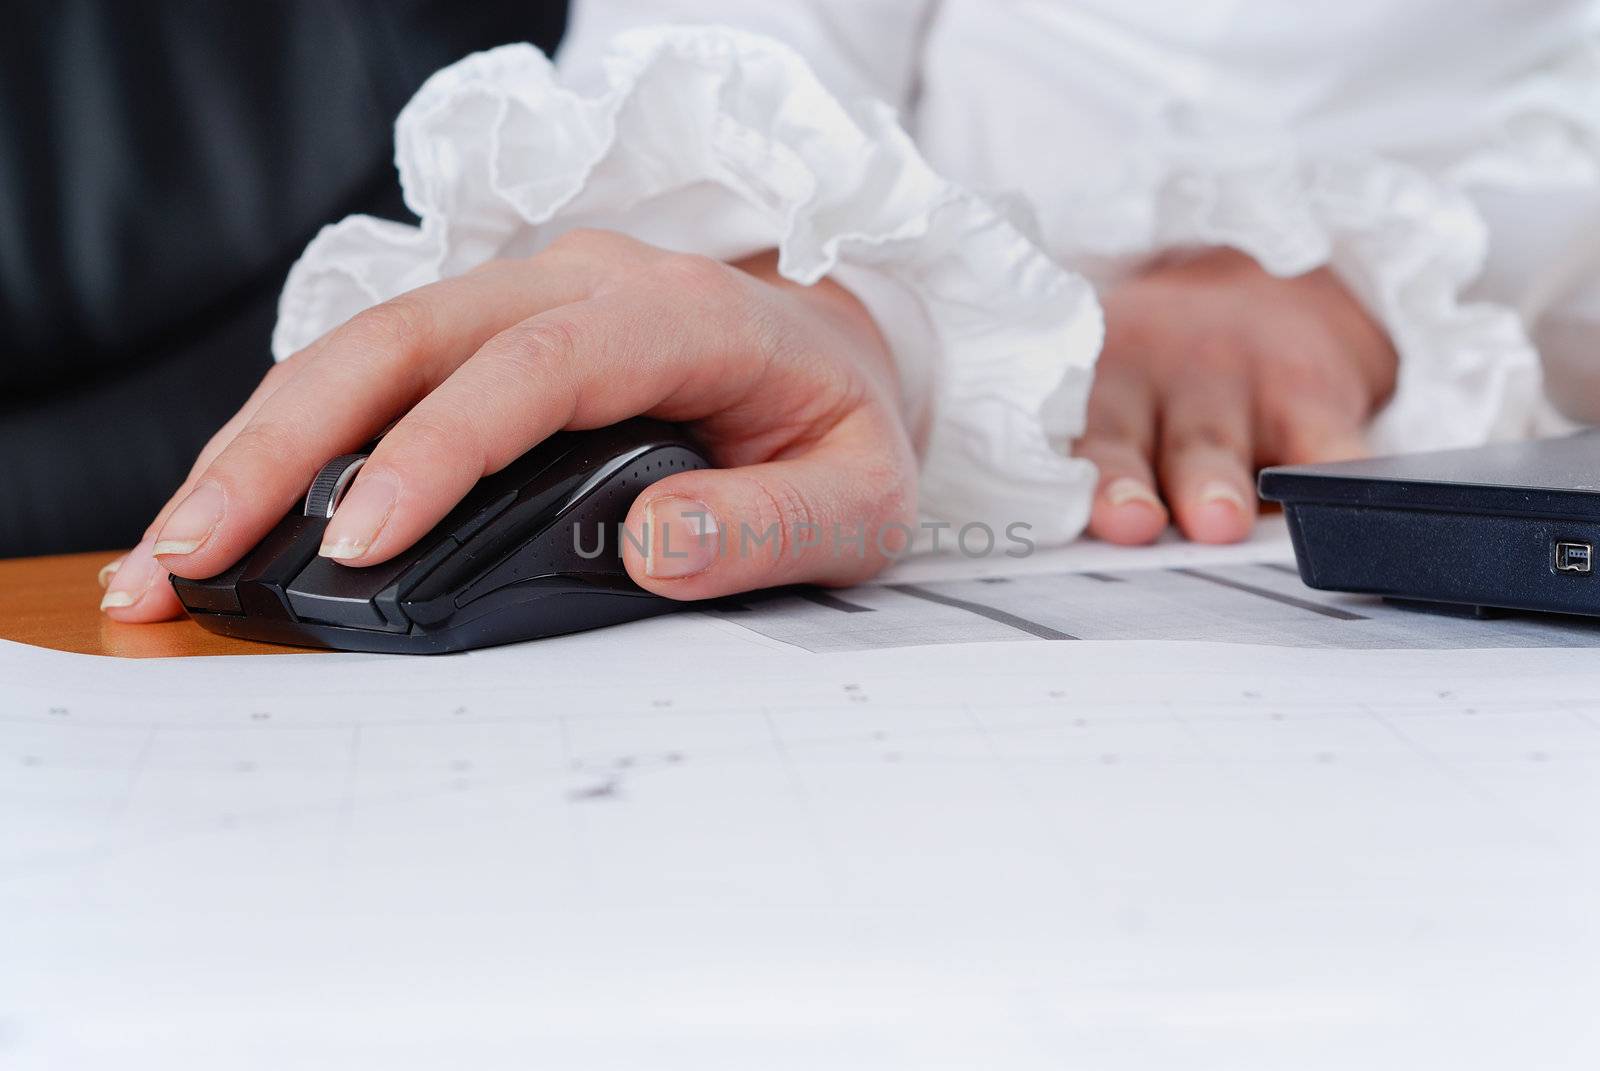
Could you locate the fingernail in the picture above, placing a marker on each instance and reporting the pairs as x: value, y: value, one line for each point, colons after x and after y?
x: 109, y: 569
x: 1218, y: 491
x: 361, y: 516
x: 1126, y: 489
x: 680, y: 538
x: 128, y: 585
x: 192, y: 523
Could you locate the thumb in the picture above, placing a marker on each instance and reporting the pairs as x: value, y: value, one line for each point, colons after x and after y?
x: 815, y: 519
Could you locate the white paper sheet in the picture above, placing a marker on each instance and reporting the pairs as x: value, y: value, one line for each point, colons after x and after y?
x: 695, y: 843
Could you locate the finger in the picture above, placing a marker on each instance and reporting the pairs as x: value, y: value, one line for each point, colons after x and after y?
x: 1119, y: 437
x: 367, y: 371
x: 583, y: 365
x: 1205, y: 456
x: 834, y: 515
x: 1311, y: 433
x: 139, y: 590
x: 274, y: 378
x: 108, y: 570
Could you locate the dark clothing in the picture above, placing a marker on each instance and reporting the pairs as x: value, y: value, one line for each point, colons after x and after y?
x: 161, y: 165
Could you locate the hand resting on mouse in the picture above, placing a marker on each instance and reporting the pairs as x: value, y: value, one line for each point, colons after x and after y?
x: 790, y: 388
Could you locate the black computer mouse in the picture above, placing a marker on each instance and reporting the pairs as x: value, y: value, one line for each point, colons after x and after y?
x: 534, y: 550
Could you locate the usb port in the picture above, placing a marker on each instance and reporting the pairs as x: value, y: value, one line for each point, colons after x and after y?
x: 1574, y: 557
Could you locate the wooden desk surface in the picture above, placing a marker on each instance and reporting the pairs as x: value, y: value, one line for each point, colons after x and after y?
x: 55, y: 602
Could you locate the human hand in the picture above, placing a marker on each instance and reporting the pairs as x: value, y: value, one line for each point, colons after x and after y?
x: 1212, y: 368
x: 790, y: 388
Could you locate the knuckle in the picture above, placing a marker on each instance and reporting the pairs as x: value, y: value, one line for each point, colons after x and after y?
x: 701, y: 279
x: 1115, y: 427
x: 1307, y: 427
x: 545, y: 350
x: 394, y: 328
x: 550, y: 342
x: 783, y: 504
x: 1120, y: 407
x: 425, y: 438
x: 1217, y: 438
x: 271, y: 439
x: 1111, y: 454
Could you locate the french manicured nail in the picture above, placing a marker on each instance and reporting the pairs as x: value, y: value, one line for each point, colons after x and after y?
x: 361, y: 516
x: 129, y: 583
x: 109, y: 569
x: 1218, y: 491
x: 680, y: 536
x: 192, y: 523
x: 1126, y: 489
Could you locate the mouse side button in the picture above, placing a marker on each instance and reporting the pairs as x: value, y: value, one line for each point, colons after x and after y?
x: 483, y: 516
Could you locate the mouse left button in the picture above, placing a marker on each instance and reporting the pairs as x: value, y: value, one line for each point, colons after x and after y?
x: 278, y: 559
x: 215, y: 594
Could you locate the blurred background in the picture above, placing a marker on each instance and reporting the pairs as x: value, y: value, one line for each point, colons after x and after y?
x: 162, y: 164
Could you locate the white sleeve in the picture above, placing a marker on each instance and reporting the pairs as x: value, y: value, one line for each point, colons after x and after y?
x: 1536, y: 184
x: 1407, y: 245
x: 857, y: 48
x: 1443, y: 232
x: 719, y: 141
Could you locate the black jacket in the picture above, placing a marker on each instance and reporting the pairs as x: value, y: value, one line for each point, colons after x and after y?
x: 161, y: 165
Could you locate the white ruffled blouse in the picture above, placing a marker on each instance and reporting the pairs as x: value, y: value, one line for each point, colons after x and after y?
x: 974, y: 169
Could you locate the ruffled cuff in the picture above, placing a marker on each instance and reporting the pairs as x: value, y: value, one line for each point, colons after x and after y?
x: 1406, y: 246
x: 724, y: 143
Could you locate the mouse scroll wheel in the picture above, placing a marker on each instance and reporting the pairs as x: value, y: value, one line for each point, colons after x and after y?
x: 329, y: 486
